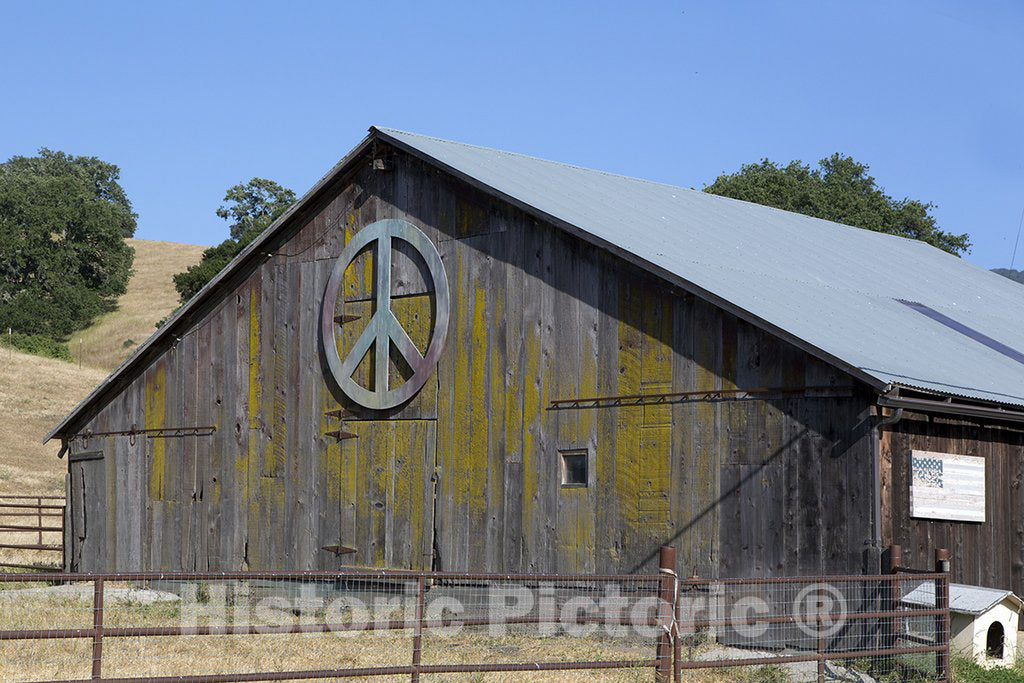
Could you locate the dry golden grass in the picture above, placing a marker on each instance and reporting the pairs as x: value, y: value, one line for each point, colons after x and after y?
x: 150, y: 298
x: 197, y: 655
x: 260, y: 652
x: 35, y: 393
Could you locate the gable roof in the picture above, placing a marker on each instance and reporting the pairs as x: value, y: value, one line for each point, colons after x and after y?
x: 839, y: 292
x: 973, y: 600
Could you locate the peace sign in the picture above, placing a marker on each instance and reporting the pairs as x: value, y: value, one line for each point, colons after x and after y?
x: 384, y: 328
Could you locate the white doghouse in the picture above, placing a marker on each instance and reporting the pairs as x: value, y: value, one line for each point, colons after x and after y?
x: 983, y: 624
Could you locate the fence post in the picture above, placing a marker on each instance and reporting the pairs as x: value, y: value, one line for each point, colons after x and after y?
x: 97, y: 629
x: 942, y: 620
x: 63, y: 548
x: 417, y: 638
x: 39, y: 518
x: 892, y: 560
x: 821, y: 638
x: 667, y: 568
x: 677, y: 640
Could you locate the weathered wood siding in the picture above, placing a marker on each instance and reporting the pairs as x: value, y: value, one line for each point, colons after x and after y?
x: 466, y: 476
x: 987, y: 554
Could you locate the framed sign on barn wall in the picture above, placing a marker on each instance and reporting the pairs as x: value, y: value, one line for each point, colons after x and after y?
x: 947, y: 486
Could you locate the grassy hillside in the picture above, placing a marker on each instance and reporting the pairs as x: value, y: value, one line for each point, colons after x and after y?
x: 150, y: 297
x: 36, y: 392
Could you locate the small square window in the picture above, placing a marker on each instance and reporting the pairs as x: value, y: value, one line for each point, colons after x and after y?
x: 574, y: 468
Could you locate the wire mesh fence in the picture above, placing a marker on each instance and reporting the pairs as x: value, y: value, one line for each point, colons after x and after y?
x: 279, y: 626
x: 31, y: 531
x: 892, y: 627
x: 394, y: 625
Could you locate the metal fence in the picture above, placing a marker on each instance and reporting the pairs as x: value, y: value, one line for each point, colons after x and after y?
x: 817, y: 628
x: 31, y: 528
x: 252, y: 626
x: 893, y: 626
x: 208, y: 628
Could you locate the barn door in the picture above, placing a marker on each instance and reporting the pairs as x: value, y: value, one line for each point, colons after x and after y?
x: 382, y: 296
x: 88, y: 512
x: 387, y: 501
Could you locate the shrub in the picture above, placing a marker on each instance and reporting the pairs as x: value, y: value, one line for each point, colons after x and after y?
x: 36, y: 345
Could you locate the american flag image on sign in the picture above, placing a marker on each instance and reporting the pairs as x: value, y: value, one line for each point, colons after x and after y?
x: 926, y: 472
x: 947, y: 486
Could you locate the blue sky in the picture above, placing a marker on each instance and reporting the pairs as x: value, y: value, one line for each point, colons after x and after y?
x: 190, y: 99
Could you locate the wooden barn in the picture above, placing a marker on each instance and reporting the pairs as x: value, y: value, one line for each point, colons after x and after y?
x: 454, y: 357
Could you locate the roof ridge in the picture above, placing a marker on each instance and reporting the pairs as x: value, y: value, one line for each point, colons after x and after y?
x: 548, y: 161
x: 647, y: 181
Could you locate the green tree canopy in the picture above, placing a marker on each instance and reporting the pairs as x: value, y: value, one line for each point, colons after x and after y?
x: 839, y: 190
x: 63, y: 257
x: 254, y: 206
x: 251, y: 208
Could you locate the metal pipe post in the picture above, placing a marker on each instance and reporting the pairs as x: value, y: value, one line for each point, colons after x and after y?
x: 417, y: 638
x: 667, y: 567
x: 942, y: 620
x: 97, y: 629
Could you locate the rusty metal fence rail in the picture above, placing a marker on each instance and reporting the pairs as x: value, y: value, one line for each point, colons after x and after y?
x: 30, y: 527
x: 817, y: 628
x: 395, y: 625
x: 221, y: 627
x: 893, y: 626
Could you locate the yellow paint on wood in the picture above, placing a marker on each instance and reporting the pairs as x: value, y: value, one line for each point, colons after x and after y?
x: 358, y: 279
x: 463, y: 426
x: 110, y: 479
x: 378, y: 480
x: 255, y: 374
x: 330, y: 453
x: 585, y: 541
x: 588, y: 382
x: 270, y: 524
x: 655, y: 478
x: 656, y: 363
x: 350, y: 489
x: 497, y: 455
x: 532, y: 407
x: 401, y: 493
x: 247, y: 461
x: 512, y: 383
x: 386, y: 505
x: 410, y: 497
x: 706, y: 455
x: 350, y: 331
x: 277, y: 448
x: 414, y: 315
x: 628, y: 418
x: 470, y: 218
x: 479, y: 425
x: 156, y: 397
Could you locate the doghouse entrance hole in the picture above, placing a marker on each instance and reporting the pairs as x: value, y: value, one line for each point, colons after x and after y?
x: 994, y: 641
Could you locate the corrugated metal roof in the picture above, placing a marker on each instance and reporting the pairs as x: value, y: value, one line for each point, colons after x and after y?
x: 962, y: 598
x: 830, y: 288
x: 831, y: 285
